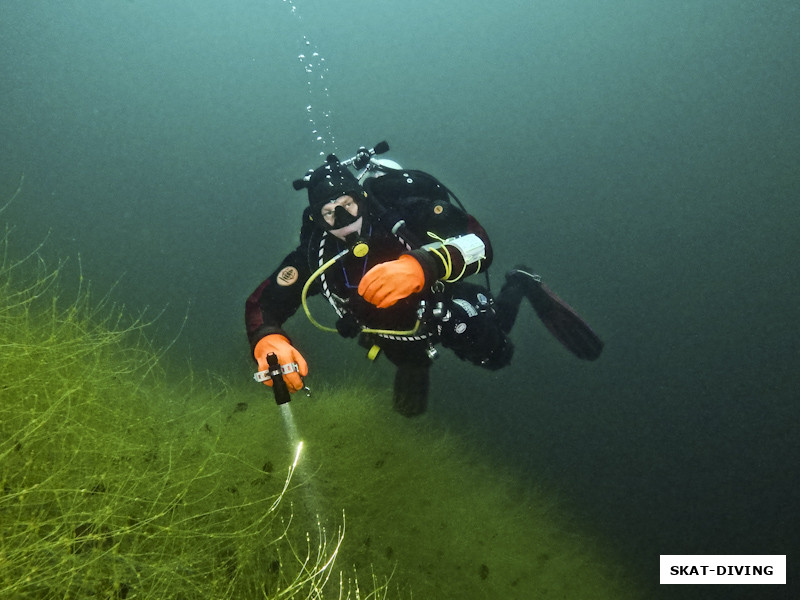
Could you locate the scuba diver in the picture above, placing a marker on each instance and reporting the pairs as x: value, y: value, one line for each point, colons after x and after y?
x: 390, y: 249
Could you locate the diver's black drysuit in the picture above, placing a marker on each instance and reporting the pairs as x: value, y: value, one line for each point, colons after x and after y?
x: 459, y: 315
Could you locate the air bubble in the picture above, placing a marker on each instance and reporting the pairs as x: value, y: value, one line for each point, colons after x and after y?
x: 316, y: 69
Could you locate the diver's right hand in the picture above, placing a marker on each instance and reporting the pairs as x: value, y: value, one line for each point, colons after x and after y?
x: 287, y: 354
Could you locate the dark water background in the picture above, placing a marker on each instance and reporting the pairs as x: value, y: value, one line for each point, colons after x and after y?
x: 642, y: 155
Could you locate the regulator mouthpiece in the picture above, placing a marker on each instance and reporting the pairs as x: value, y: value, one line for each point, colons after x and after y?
x: 358, y: 245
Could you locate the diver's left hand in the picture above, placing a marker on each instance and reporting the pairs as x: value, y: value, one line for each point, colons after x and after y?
x: 384, y: 284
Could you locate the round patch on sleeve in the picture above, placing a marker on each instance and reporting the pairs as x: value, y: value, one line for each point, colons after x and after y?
x: 287, y: 276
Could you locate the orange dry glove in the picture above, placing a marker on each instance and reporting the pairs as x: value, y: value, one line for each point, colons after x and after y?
x: 384, y: 284
x: 287, y: 354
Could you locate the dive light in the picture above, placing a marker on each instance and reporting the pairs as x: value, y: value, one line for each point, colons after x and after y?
x: 275, y: 372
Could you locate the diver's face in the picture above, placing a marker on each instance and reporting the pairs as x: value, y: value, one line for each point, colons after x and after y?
x: 341, y: 216
x: 329, y: 210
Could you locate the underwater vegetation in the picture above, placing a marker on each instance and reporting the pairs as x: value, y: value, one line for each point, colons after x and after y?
x: 118, y: 482
x: 423, y: 504
x: 114, y: 484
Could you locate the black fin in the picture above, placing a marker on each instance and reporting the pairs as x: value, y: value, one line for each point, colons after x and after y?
x: 564, y: 323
